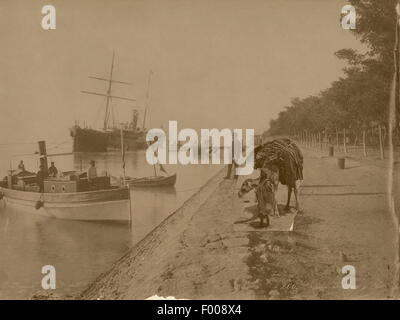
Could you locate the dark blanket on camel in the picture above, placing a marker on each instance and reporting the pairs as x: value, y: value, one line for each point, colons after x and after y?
x: 284, y: 154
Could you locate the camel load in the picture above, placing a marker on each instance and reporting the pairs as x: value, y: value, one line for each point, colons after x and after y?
x: 285, y: 155
x: 281, y: 161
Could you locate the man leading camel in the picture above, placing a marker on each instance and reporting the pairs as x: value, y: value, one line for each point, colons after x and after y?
x: 287, y: 157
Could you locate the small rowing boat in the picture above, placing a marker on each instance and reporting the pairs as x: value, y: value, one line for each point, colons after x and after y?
x: 153, y: 181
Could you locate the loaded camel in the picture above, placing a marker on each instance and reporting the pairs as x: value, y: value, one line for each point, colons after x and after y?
x: 279, y: 161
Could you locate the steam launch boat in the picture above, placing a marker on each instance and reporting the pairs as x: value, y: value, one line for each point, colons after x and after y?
x: 69, y: 196
x: 86, y: 139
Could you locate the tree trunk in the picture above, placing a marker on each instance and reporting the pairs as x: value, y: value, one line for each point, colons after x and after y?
x: 356, y: 139
x: 314, y: 140
x: 344, y: 141
x: 307, y: 137
x: 363, y: 142
x: 381, y: 142
x: 326, y: 138
x: 320, y: 140
x: 337, y: 139
x: 384, y: 134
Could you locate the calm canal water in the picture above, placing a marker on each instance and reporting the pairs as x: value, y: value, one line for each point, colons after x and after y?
x: 80, y: 251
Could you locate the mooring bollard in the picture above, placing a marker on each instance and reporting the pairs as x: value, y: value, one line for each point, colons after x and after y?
x: 331, y: 151
x: 341, y: 163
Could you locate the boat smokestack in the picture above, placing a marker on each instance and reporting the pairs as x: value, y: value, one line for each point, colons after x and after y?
x: 43, y: 155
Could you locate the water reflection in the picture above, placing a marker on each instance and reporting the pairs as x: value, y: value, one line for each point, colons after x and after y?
x: 80, y: 251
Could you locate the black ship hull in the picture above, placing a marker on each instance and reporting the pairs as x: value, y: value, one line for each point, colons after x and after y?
x: 89, y: 140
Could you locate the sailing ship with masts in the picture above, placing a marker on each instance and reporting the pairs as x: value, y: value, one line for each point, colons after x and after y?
x: 86, y: 139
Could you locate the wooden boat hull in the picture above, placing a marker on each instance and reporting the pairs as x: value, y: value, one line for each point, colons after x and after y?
x: 90, y: 140
x: 153, y: 182
x: 132, y: 140
x: 111, y: 205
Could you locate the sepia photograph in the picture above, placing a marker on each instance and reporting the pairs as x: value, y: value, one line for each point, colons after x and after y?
x: 214, y: 150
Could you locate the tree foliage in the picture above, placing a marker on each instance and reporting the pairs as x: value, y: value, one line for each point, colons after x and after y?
x: 359, y: 98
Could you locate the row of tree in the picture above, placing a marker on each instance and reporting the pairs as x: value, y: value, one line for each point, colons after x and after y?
x: 358, y: 101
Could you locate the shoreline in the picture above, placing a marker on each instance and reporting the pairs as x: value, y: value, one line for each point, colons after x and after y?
x: 199, y: 252
x: 180, y: 215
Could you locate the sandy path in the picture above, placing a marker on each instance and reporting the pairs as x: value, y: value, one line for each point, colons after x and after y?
x: 197, y: 254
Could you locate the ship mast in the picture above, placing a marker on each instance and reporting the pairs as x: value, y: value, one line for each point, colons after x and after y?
x: 108, y: 94
x: 107, y: 114
x: 147, y: 99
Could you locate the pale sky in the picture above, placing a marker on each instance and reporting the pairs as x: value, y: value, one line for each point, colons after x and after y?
x: 216, y: 63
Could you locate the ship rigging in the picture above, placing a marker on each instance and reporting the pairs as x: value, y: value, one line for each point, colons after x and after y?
x: 108, y: 138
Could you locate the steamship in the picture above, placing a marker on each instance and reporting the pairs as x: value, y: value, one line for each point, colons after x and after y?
x: 108, y: 138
